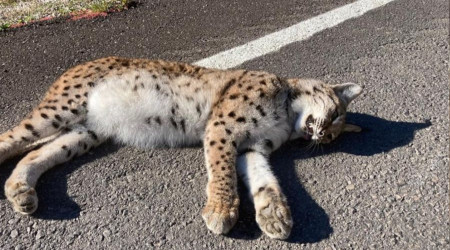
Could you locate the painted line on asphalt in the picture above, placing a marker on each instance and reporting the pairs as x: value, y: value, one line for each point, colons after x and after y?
x: 295, y: 33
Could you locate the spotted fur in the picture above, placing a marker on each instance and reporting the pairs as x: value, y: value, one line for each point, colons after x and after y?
x: 240, y: 117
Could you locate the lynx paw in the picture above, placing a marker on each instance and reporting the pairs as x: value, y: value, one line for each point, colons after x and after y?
x: 220, y: 218
x: 22, y: 197
x: 272, y: 214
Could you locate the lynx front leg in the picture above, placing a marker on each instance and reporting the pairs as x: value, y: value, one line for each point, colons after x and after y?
x: 272, y: 211
x: 221, y: 210
x: 19, y: 187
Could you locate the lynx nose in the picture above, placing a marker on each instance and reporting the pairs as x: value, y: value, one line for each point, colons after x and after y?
x: 318, y: 135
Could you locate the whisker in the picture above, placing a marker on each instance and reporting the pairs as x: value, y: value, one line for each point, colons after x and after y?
x: 310, y: 147
x: 314, y: 146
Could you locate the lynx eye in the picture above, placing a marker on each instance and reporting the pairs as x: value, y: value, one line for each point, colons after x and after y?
x: 309, y: 120
x: 335, y: 115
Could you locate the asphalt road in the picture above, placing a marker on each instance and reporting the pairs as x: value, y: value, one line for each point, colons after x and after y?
x: 386, y: 188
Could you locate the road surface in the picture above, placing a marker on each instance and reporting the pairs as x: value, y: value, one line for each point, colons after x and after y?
x: 386, y: 188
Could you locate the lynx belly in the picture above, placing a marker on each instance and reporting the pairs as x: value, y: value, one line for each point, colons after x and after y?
x: 146, y: 113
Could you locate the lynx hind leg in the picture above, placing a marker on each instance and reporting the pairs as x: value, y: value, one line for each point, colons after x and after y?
x: 44, y: 121
x: 272, y: 211
x: 19, y: 188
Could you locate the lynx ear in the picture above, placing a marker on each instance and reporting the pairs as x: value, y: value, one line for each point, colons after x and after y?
x: 347, y: 91
x: 351, y: 128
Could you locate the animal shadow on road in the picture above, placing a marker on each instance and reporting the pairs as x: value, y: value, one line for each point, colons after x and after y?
x: 311, y: 222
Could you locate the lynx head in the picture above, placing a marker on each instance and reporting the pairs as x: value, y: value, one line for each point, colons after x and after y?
x: 320, y: 109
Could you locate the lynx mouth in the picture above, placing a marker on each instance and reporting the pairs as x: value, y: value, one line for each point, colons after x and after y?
x: 306, y: 136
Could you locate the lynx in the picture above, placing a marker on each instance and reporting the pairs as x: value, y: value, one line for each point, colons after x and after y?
x: 240, y: 117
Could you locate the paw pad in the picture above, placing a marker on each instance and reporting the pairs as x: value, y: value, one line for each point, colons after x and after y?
x: 273, y: 215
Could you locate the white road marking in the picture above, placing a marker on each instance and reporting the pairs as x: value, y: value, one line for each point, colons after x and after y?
x: 295, y: 33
